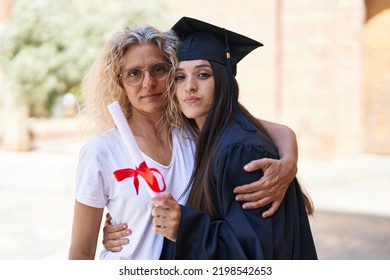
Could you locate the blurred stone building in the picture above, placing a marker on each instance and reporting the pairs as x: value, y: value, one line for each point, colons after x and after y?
x: 376, y: 59
x: 324, y: 69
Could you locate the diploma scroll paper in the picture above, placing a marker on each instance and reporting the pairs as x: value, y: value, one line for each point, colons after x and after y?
x: 135, y: 153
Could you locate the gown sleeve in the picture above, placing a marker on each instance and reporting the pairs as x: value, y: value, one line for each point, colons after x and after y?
x: 244, y: 234
x: 238, y: 234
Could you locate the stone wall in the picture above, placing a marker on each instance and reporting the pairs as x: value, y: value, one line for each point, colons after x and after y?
x: 321, y: 82
x: 377, y: 83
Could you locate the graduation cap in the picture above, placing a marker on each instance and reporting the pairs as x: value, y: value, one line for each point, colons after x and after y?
x: 202, y: 40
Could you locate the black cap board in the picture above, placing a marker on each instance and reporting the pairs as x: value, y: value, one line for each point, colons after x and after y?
x: 202, y: 40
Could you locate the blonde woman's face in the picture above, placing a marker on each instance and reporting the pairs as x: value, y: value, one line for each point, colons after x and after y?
x: 195, y: 87
x: 147, y: 96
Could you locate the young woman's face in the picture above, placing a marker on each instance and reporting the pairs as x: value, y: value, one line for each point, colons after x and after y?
x: 195, y: 89
x: 145, y: 89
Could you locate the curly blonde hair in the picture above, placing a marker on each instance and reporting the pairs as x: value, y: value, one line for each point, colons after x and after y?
x: 172, y: 112
x: 102, y: 85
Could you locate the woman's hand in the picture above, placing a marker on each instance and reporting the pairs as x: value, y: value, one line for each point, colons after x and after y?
x: 166, y: 215
x: 271, y: 188
x: 113, y: 235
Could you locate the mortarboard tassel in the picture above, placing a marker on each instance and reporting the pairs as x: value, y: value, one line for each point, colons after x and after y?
x: 245, y: 124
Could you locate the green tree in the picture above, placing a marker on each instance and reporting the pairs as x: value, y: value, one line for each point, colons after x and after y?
x: 47, y: 46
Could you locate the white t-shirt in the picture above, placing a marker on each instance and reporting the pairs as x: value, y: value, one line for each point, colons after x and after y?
x: 96, y: 186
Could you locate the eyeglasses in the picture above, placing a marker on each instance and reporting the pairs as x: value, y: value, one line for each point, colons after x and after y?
x: 135, y: 76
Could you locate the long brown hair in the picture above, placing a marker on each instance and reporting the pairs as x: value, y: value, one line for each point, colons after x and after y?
x: 221, y: 113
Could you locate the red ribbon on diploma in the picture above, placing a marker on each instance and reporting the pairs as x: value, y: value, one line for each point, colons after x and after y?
x: 143, y: 171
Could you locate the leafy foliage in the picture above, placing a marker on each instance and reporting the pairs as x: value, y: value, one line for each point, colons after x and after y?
x: 47, y: 46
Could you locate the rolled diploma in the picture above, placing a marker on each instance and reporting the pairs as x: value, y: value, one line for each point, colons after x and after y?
x: 127, y: 137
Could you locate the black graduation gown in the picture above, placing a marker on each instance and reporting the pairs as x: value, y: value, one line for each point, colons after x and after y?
x: 238, y: 233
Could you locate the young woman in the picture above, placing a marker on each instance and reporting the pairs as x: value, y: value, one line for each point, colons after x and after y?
x: 213, y: 224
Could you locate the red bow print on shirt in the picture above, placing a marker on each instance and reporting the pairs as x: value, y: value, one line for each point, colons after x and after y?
x: 145, y: 173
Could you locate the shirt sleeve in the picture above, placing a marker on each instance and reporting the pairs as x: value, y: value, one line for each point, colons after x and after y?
x: 90, y: 179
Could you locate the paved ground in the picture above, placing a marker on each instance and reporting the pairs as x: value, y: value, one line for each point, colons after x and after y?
x: 351, y: 195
